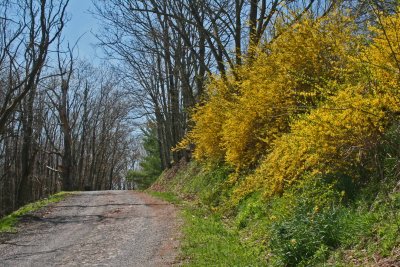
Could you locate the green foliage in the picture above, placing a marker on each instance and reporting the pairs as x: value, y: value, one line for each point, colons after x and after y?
x: 304, y: 237
x: 251, y: 209
x: 166, y: 196
x: 205, y: 183
x: 303, y: 223
x: 321, y: 220
x: 150, y: 165
x: 215, y: 190
x: 314, y: 220
x: 141, y: 179
x: 8, y: 223
x: 208, y: 242
x: 367, y: 231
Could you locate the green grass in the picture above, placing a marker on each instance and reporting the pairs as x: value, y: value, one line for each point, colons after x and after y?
x: 316, y: 222
x: 167, y: 196
x: 208, y: 241
x: 8, y: 223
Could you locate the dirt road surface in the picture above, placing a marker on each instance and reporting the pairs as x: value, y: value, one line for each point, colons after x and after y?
x: 99, y: 228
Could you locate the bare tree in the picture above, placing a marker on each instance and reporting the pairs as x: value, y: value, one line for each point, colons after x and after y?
x: 25, y: 50
x: 168, y: 49
x: 64, y: 124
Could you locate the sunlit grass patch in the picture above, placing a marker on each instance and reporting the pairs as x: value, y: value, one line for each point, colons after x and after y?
x: 166, y: 196
x: 8, y: 223
x: 208, y: 242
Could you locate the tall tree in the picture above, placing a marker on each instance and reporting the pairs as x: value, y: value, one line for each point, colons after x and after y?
x: 168, y: 50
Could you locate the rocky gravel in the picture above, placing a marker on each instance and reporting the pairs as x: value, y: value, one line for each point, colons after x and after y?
x: 98, y: 228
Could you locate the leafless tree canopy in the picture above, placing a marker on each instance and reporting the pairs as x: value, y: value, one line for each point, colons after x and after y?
x: 64, y: 124
x: 168, y: 50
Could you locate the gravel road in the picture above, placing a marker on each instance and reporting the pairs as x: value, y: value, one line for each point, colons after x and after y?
x: 99, y: 228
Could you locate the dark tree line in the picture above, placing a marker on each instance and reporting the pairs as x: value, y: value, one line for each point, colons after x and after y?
x: 64, y: 125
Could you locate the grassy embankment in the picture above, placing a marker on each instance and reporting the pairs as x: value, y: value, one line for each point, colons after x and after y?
x: 310, y: 128
x: 8, y: 223
x: 316, y: 223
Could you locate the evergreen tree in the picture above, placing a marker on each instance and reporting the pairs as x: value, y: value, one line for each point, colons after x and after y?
x: 150, y: 165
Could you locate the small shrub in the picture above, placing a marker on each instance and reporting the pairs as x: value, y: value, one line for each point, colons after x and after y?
x: 308, y: 235
x: 253, y: 208
x: 304, y: 223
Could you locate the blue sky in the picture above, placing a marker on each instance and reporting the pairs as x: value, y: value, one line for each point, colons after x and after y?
x: 82, y: 23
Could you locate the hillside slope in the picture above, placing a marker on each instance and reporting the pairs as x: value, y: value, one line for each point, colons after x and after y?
x: 312, y: 224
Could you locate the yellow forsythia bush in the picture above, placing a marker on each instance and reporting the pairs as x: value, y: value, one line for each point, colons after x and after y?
x: 342, y: 133
x: 209, y: 118
x: 286, y: 79
x: 317, y: 100
x: 334, y: 138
